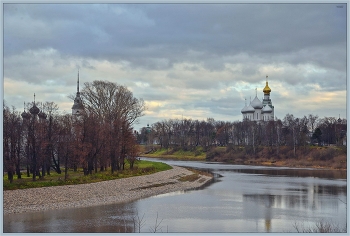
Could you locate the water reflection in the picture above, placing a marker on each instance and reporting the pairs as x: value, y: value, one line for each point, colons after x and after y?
x: 314, y: 173
x: 108, y: 218
x: 240, y: 199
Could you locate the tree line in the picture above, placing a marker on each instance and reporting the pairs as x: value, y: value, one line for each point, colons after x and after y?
x: 291, y: 131
x: 40, y: 139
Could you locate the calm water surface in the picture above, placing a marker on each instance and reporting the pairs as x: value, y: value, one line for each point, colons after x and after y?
x: 240, y: 199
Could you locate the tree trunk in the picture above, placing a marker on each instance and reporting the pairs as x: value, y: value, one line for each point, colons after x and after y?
x: 95, y: 163
x: 28, y: 171
x: 56, y: 165
x: 10, y: 175
x: 66, y: 167
x: 90, y: 167
x: 48, y: 168
x: 43, y: 169
x: 18, y: 171
x: 113, y: 162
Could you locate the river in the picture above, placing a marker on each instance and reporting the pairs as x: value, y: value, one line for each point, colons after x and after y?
x: 240, y: 199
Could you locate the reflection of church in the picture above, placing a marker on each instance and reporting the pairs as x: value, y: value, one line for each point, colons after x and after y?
x: 263, y: 208
x: 258, y: 110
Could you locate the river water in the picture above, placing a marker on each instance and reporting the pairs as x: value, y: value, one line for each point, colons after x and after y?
x: 240, y: 199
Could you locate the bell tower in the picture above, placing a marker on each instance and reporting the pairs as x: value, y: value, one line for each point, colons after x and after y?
x: 267, y: 102
x: 77, y: 108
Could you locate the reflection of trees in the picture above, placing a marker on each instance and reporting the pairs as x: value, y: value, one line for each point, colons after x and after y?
x: 329, y: 189
x: 275, y: 172
x: 266, y: 200
x: 303, y: 197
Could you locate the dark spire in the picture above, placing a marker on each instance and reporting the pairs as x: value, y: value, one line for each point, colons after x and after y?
x: 25, y: 115
x: 78, y: 83
x: 77, y: 107
x: 42, y: 115
x: 34, y: 110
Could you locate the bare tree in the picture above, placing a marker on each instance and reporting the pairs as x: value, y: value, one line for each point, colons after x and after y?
x: 312, y: 122
x: 12, y: 134
x: 115, y: 106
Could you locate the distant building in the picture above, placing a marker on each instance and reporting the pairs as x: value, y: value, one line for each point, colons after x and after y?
x: 78, y: 106
x: 258, y: 110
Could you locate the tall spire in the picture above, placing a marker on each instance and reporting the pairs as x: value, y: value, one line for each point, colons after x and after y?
x: 34, y: 99
x: 267, y: 77
x: 78, y: 83
x: 77, y: 107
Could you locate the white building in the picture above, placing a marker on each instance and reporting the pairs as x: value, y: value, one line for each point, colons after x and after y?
x: 258, y: 110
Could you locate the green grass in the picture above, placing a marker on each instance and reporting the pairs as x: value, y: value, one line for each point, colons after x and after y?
x: 196, y: 155
x: 54, y: 179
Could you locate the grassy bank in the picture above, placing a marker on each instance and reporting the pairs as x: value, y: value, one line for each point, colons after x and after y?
x: 54, y: 179
x: 332, y: 157
x: 309, y: 156
x: 197, y: 154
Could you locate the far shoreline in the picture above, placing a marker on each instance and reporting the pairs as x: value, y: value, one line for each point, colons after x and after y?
x: 256, y: 162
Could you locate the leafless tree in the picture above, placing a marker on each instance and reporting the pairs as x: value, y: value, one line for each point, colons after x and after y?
x: 114, y: 106
x: 12, y: 142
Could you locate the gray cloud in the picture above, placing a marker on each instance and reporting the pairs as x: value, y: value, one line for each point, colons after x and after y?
x: 184, y: 54
x: 138, y: 32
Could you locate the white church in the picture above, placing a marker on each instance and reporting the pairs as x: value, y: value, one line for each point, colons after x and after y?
x: 257, y: 110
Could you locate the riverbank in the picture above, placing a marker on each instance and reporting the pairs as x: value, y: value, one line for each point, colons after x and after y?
x: 333, y: 158
x: 106, y: 192
x: 198, y: 154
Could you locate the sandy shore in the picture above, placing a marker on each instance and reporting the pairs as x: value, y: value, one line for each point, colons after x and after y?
x: 106, y: 192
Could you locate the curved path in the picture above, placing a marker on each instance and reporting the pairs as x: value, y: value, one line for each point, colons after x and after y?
x: 106, y: 192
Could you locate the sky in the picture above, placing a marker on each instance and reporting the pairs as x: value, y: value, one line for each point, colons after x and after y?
x: 193, y: 61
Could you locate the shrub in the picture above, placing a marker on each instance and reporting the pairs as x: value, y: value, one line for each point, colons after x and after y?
x: 198, y: 151
x: 324, y: 154
x: 319, y: 227
x: 339, y: 162
x: 230, y: 148
x: 214, y: 153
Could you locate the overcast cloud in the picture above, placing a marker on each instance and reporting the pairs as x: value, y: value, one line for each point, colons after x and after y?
x: 185, y: 60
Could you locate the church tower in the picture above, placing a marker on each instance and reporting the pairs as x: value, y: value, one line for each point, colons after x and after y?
x: 77, y: 107
x: 268, y: 111
x: 257, y: 110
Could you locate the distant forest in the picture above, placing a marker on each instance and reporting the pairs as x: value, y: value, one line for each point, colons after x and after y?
x: 290, y: 131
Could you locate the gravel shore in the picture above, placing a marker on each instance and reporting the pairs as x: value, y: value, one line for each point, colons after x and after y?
x: 106, y: 192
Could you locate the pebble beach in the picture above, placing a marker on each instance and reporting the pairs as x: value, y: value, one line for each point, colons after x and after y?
x: 106, y: 192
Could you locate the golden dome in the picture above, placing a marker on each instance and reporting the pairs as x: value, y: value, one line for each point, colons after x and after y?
x: 267, y: 89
